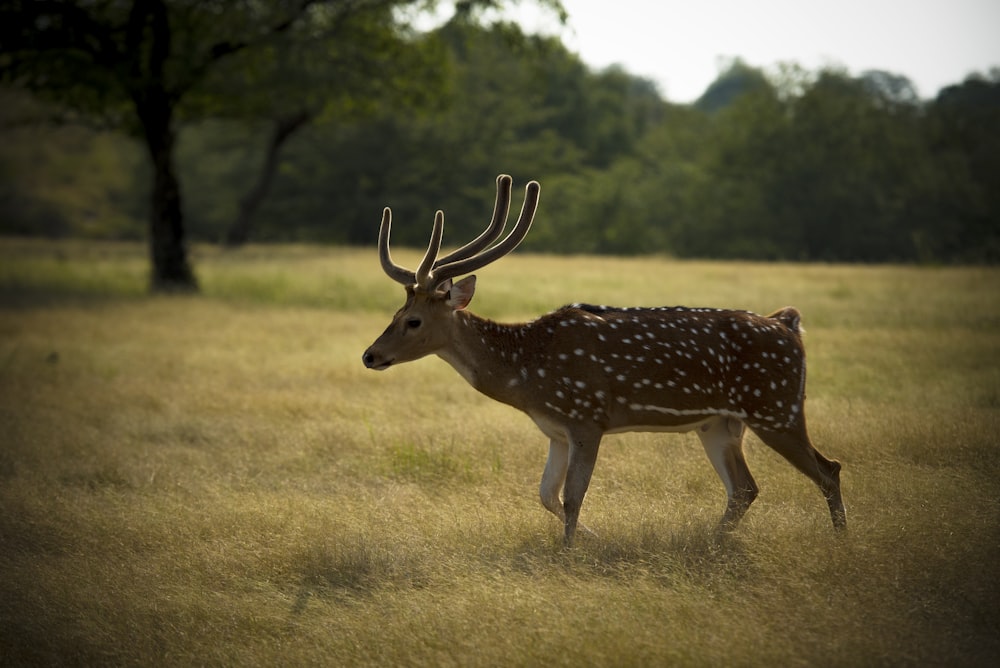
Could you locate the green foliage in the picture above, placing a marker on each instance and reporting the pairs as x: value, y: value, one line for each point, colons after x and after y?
x: 736, y: 80
x: 66, y: 180
x: 791, y: 164
x: 141, y: 66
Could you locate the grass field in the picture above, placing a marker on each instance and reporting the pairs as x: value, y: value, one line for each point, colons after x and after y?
x: 217, y: 480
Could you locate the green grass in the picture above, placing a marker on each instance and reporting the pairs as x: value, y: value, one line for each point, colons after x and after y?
x: 217, y: 480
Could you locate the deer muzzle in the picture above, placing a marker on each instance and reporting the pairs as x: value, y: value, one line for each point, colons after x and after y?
x: 375, y: 360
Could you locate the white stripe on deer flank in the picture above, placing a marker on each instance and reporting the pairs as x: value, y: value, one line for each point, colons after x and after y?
x: 684, y: 411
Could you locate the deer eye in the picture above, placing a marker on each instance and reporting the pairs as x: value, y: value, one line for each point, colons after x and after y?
x: 412, y: 323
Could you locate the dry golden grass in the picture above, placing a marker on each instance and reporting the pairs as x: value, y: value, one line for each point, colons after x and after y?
x: 217, y: 479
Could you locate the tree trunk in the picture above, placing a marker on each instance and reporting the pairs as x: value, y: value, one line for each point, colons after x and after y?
x: 154, y: 104
x: 171, y: 271
x: 239, y: 232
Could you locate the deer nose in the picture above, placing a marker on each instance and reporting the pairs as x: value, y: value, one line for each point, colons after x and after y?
x: 375, y: 360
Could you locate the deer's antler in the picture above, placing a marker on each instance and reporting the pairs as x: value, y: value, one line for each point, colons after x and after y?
x: 470, y: 257
x: 501, y: 209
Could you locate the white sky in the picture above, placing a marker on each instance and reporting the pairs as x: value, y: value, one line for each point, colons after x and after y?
x: 679, y: 43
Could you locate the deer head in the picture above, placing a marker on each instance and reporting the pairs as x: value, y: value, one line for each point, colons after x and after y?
x: 423, y: 326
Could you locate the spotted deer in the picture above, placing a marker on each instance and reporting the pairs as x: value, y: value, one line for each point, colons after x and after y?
x: 584, y: 371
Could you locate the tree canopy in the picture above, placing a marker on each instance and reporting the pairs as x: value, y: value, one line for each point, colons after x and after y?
x: 785, y: 164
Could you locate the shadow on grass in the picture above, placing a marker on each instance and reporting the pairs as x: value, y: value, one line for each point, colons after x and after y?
x: 14, y: 297
x: 694, y: 552
x: 356, y: 565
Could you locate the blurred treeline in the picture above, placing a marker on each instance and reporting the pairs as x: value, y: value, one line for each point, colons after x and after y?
x: 785, y: 164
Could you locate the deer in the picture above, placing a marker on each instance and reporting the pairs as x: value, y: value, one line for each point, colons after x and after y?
x: 585, y: 371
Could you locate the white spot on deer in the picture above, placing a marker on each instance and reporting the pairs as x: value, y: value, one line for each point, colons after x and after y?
x: 541, y: 373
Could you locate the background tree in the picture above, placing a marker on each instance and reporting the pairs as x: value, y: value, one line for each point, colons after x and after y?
x: 790, y: 164
x: 130, y: 64
x: 962, y: 196
x: 339, y: 67
x: 735, y: 79
x: 133, y: 64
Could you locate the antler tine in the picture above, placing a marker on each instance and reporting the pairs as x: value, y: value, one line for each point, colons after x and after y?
x: 501, y: 209
x: 509, y: 243
x: 393, y: 270
x: 425, y: 278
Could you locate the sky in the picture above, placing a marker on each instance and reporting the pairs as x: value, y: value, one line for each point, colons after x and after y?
x: 680, y: 44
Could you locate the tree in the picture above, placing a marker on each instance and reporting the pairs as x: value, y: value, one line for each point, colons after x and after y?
x: 963, y: 133
x: 735, y: 79
x: 510, y: 102
x: 335, y: 70
x: 131, y: 64
x: 134, y: 64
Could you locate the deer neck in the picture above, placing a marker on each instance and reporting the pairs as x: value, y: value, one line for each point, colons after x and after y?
x: 489, y: 355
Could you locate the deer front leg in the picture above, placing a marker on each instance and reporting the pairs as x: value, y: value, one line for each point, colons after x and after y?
x: 582, y: 457
x: 723, y: 441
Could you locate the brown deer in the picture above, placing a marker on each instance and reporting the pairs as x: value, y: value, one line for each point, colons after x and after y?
x: 585, y: 371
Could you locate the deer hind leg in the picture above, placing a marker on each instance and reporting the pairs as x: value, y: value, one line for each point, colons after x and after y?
x: 553, y: 478
x: 795, y: 446
x: 723, y: 441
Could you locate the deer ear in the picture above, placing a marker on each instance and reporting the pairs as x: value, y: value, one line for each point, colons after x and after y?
x: 460, y: 294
